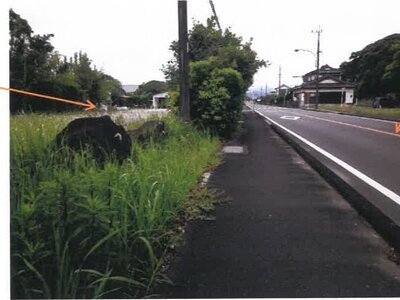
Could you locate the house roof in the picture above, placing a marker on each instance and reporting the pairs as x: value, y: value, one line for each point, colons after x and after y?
x: 325, y: 69
x: 327, y: 81
x: 283, y: 87
x: 130, y: 88
x: 161, y: 95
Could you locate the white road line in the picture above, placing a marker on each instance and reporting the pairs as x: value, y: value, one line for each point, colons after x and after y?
x: 293, y: 118
x: 368, y: 180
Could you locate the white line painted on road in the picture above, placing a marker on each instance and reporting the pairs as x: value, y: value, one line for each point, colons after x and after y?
x: 368, y: 180
x: 294, y: 118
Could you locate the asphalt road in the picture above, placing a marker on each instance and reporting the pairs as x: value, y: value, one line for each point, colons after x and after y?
x: 285, y: 232
x: 369, y: 146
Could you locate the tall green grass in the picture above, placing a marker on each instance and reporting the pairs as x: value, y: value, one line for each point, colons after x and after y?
x: 80, y: 230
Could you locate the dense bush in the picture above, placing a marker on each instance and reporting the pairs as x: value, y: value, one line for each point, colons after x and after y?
x: 221, y: 70
x: 217, y: 98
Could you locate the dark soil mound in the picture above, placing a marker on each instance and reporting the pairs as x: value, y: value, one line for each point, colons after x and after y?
x: 100, y: 135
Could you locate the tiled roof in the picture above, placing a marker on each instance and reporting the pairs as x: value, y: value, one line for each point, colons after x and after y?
x: 130, y: 88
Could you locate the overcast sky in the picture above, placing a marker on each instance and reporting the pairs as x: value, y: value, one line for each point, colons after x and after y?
x: 129, y: 39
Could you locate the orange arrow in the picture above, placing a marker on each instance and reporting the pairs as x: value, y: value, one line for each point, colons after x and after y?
x: 89, y: 105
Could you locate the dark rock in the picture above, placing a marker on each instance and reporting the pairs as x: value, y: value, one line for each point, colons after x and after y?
x: 100, y: 135
x: 155, y: 129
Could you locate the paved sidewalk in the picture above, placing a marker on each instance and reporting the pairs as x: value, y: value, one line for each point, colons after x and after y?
x: 285, y: 233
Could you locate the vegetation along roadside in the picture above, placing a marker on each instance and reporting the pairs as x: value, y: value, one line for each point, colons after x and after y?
x: 81, y: 230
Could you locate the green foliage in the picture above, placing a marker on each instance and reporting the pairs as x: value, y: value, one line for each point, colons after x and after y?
x: 227, y: 49
x: 144, y: 93
x: 216, y: 97
x: 375, y: 68
x: 34, y: 66
x: 392, y: 71
x: 79, y: 230
x: 140, y: 98
x: 153, y: 87
x: 173, y: 101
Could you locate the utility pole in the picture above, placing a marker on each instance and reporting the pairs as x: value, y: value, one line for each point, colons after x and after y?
x: 279, y: 81
x: 184, y: 106
x: 215, y: 14
x: 318, y: 32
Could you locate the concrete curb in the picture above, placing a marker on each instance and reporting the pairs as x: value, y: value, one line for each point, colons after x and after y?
x: 383, y: 224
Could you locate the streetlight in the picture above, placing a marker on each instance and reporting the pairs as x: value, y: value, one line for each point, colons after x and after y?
x: 309, y: 51
x: 316, y: 55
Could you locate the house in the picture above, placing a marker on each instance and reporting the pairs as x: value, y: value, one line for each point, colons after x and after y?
x: 129, y: 88
x: 160, y: 99
x: 332, y: 89
x: 282, y: 90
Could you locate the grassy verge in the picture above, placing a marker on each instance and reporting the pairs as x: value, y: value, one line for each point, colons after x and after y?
x: 387, y: 113
x: 79, y: 230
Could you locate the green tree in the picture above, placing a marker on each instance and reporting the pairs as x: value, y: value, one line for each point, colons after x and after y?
x: 391, y: 77
x: 145, y: 92
x: 36, y: 67
x: 216, y: 98
x: 154, y: 87
x: 375, y: 68
x: 28, y: 59
x: 227, y: 49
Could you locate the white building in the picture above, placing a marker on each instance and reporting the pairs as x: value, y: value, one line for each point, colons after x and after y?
x: 160, y: 99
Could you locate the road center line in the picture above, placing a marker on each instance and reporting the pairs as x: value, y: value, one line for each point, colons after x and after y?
x: 371, y: 182
x: 352, y: 125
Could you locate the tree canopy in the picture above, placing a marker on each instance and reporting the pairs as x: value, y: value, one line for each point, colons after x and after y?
x: 376, y: 68
x: 35, y: 66
x: 145, y: 92
x: 222, y: 67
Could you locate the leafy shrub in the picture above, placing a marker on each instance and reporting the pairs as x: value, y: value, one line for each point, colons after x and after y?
x: 216, y: 97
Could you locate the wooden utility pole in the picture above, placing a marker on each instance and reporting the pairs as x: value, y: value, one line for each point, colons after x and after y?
x: 184, y: 106
x: 318, y: 32
x: 279, y: 80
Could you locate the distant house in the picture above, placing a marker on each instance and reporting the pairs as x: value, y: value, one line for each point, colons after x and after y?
x: 129, y: 88
x: 123, y: 94
x: 332, y: 89
x: 160, y: 99
x: 283, y: 90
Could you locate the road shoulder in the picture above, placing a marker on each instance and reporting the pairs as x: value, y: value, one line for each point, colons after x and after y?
x: 284, y: 233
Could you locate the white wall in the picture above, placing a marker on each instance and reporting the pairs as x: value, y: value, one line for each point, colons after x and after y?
x: 349, y: 96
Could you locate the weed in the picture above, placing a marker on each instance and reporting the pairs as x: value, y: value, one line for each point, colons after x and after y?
x: 80, y: 230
